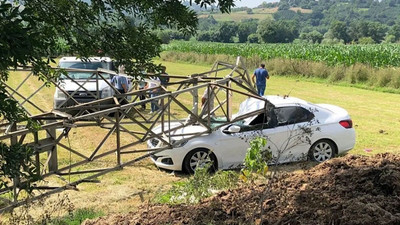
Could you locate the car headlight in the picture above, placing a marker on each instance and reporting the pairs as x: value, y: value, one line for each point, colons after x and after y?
x: 107, y: 92
x: 59, y: 94
x: 157, y: 143
x: 173, y: 142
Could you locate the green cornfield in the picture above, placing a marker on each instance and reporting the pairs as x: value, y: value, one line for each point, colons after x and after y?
x: 379, y: 55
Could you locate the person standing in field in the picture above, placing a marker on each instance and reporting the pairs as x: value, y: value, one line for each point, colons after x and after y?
x: 261, y: 75
x: 119, y: 81
x: 164, y: 76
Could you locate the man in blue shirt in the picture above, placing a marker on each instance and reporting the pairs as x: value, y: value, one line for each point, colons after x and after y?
x: 261, y: 75
x: 120, y: 83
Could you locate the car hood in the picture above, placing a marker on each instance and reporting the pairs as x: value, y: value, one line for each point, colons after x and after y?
x: 247, y: 106
x: 184, y: 132
x: 90, y: 85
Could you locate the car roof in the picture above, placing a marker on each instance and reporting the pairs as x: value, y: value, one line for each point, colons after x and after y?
x: 93, y: 59
x: 280, y: 101
x: 253, y: 104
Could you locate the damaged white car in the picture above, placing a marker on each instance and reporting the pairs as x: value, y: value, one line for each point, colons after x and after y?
x: 295, y: 130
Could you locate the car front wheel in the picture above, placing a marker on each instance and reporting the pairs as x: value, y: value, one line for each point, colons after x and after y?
x: 199, y: 158
x: 322, y: 150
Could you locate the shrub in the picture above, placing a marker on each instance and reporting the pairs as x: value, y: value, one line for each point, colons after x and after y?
x: 383, y: 78
x: 199, y: 186
x: 164, y: 37
x: 253, y: 38
x: 366, y: 41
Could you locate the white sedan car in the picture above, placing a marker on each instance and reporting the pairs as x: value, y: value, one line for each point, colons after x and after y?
x: 295, y: 130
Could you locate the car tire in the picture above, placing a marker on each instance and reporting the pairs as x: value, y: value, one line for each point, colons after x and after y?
x: 198, y: 157
x: 322, y: 150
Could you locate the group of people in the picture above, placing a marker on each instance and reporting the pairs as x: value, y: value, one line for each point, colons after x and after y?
x: 260, y: 77
x: 121, y: 83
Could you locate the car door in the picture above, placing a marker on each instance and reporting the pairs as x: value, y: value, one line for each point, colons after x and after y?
x: 289, y: 139
x: 232, y: 147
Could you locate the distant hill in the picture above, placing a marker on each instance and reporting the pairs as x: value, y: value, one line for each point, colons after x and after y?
x: 240, y: 14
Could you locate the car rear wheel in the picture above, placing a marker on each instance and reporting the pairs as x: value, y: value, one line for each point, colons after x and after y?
x: 199, y: 158
x: 322, y: 150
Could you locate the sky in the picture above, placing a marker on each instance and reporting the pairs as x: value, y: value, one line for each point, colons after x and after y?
x: 251, y: 3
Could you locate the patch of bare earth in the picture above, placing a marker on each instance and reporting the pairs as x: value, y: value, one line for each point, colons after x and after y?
x: 347, y: 190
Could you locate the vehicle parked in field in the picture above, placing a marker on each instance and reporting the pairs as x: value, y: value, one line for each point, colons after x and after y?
x: 84, y: 76
x: 295, y: 130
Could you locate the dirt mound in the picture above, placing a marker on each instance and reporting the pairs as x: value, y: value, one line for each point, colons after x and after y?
x: 347, y: 190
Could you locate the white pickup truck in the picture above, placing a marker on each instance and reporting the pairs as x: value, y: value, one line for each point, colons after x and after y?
x: 86, y: 77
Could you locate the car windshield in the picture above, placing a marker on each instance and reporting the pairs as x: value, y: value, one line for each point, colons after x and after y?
x: 86, y: 66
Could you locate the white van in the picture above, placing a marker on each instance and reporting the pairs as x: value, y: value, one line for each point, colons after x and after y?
x: 81, y: 76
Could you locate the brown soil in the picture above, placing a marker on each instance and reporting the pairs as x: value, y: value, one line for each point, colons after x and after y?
x: 347, y: 190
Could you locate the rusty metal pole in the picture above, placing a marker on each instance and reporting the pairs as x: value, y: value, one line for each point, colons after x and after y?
x: 195, y: 98
x: 13, y: 141
x: 117, y: 116
x: 229, y: 101
x: 53, y: 161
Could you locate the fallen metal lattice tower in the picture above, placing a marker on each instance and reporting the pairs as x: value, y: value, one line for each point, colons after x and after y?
x: 126, y: 121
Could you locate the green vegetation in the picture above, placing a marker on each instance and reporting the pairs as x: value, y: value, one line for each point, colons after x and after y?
x: 256, y: 159
x: 373, y: 55
x: 344, y: 21
x: 77, y: 217
x: 199, y: 186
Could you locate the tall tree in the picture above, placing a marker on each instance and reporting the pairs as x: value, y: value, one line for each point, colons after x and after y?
x: 245, y: 28
x: 227, y: 31
x: 282, y: 31
x: 339, y: 31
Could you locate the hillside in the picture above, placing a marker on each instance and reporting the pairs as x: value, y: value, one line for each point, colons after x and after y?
x: 310, y: 21
x: 241, y: 14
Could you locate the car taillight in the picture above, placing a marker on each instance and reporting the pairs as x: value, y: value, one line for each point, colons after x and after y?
x: 346, y: 124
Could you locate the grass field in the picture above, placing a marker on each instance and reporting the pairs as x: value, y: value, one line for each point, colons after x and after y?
x: 376, y: 116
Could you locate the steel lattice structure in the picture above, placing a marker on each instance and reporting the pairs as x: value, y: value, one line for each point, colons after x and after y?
x: 119, y: 120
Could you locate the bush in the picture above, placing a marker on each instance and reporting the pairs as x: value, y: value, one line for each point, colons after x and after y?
x: 164, y: 37
x: 199, y: 186
x: 384, y: 77
x: 77, y: 217
x: 203, y: 36
x: 253, y: 38
x: 337, y: 74
x: 358, y: 73
x: 366, y: 41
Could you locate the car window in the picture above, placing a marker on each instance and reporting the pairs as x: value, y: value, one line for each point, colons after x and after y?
x: 261, y: 121
x: 87, y: 66
x: 292, y: 114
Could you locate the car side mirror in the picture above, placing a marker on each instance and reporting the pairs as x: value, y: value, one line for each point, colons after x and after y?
x: 233, y: 129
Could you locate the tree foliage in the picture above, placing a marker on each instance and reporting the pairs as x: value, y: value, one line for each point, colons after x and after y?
x: 32, y: 32
x: 282, y: 31
x: 245, y: 29
x: 227, y: 31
